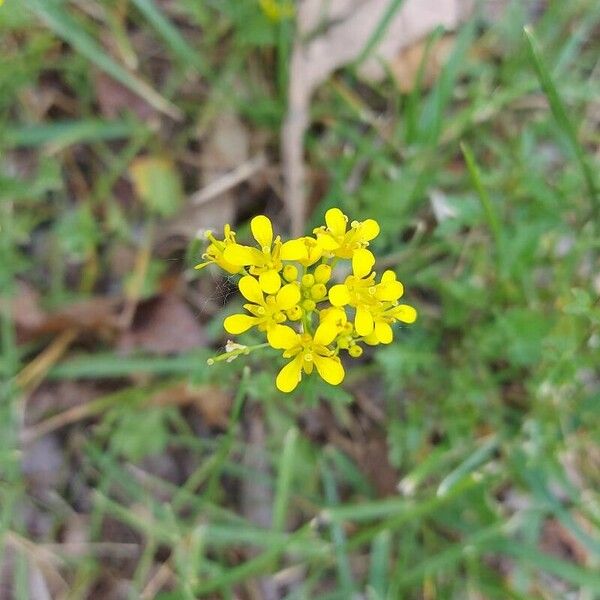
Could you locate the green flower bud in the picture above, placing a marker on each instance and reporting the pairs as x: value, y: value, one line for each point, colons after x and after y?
x: 308, y: 305
x: 355, y: 351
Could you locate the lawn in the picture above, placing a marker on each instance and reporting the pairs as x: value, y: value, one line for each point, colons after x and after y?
x: 460, y: 461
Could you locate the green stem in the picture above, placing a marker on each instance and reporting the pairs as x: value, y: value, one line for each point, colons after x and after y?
x: 244, y: 350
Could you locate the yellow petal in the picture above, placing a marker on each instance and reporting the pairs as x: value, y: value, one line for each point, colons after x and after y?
x: 327, y: 242
x: 369, y: 230
x: 269, y: 281
x: 335, y: 314
x: 362, y: 262
x: 326, y: 332
x: 288, y: 296
x: 339, y: 295
x: 243, y: 255
x: 330, y: 369
x: 371, y: 339
x: 405, y: 313
x: 293, y: 250
x: 282, y: 337
x: 336, y: 221
x: 383, y: 332
x: 251, y: 290
x: 262, y: 230
x: 389, y: 292
x: 363, y: 322
x: 388, y: 276
x: 236, y: 324
x: 289, y: 377
x: 227, y: 266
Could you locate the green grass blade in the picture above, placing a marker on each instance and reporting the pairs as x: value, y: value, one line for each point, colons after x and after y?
x: 284, y: 480
x: 344, y: 571
x: 561, y: 116
x: 172, y: 37
x: 533, y: 557
x: 380, y: 562
x: 66, y: 133
x: 379, y: 31
x: 486, y: 202
x: 92, y: 366
x: 472, y: 462
x: 66, y: 27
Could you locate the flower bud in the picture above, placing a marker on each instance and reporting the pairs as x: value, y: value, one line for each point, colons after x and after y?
x: 322, y: 273
x: 318, y: 292
x: 290, y: 273
x: 294, y: 313
x: 355, y: 351
x: 308, y: 280
x: 308, y: 305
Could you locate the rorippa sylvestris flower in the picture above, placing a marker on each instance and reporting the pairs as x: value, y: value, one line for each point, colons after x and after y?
x: 293, y: 302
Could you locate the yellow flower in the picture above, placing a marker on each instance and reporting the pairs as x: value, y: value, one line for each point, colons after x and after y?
x: 383, y: 319
x: 215, y: 250
x: 306, y: 353
x: 337, y: 241
x: 266, y: 312
x: 277, y: 11
x: 362, y: 293
x: 264, y: 261
x: 287, y: 283
x: 305, y: 250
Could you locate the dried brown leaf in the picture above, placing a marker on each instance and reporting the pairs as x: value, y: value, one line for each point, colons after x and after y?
x: 163, y: 325
x: 212, y: 402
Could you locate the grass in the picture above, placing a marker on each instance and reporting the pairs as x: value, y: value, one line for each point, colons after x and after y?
x: 469, y: 468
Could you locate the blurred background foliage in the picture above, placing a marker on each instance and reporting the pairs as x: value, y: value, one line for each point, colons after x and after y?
x: 461, y: 461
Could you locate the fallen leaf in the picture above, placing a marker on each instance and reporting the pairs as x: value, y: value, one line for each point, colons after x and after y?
x: 97, y: 315
x: 406, y: 64
x: 27, y: 314
x: 163, y: 325
x: 157, y: 184
x: 212, y: 402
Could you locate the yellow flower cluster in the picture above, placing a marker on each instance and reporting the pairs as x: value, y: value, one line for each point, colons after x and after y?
x: 287, y: 282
